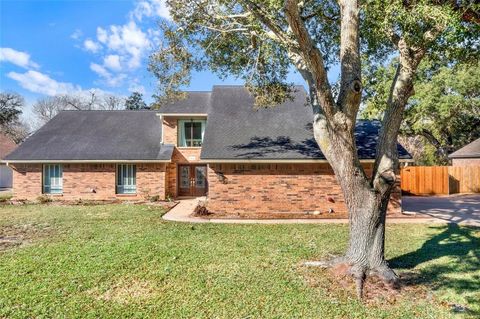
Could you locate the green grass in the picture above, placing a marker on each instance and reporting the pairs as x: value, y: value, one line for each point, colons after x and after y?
x: 124, y: 261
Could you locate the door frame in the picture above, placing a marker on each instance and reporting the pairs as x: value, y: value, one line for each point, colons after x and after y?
x: 193, y: 189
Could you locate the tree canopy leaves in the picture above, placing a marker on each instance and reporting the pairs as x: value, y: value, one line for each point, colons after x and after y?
x: 251, y: 40
x: 11, y: 105
x: 445, y: 109
x: 135, y: 102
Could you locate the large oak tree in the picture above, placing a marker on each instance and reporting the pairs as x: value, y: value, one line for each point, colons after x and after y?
x: 444, y: 111
x: 261, y: 41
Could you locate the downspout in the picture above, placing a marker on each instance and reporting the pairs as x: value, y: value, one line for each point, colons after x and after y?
x: 161, y: 128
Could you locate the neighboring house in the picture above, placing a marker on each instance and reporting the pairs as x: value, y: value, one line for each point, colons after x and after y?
x: 467, y: 155
x: 211, y: 143
x: 7, y: 145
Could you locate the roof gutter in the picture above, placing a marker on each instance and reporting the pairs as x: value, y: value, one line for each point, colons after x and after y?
x: 292, y: 161
x: 160, y: 117
x: 182, y: 114
x: 463, y: 156
x: 7, y: 162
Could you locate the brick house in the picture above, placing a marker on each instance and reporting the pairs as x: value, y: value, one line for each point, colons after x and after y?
x: 7, y: 145
x: 467, y: 155
x: 210, y: 143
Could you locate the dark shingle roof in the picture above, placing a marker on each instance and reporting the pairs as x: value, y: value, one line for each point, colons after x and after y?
x: 236, y: 131
x: 96, y: 135
x: 194, y: 103
x: 471, y: 150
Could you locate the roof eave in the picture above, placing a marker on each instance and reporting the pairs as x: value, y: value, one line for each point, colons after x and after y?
x: 295, y: 161
x: 39, y: 161
x: 463, y: 156
x: 183, y: 114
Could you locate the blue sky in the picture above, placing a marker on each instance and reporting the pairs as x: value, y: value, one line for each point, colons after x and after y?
x: 56, y: 47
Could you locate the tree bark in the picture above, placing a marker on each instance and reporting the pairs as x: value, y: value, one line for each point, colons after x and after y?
x: 367, y: 207
x: 366, y: 197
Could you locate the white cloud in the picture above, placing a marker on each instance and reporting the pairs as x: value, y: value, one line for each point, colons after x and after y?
x: 136, y: 87
x: 127, y: 40
x: 123, y: 48
x: 17, y: 57
x: 108, y: 78
x: 91, y: 46
x: 100, y: 70
x: 102, y: 35
x: 37, y: 82
x: 151, y: 8
x: 125, y: 45
x: 77, y: 34
x: 112, y: 62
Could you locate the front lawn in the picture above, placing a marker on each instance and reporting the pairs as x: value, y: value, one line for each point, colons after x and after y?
x: 124, y: 261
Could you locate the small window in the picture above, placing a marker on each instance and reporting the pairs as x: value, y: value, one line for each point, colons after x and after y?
x: 190, y: 132
x: 126, y: 179
x: 52, y: 179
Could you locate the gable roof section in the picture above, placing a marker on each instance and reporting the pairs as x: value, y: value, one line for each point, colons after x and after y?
x: 194, y: 103
x: 96, y: 136
x: 471, y: 150
x: 7, y: 145
x: 235, y: 131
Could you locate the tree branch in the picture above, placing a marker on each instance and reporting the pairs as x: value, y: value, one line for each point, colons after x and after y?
x: 402, y: 88
x: 263, y: 16
x: 350, y: 84
x: 386, y: 162
x: 319, y: 13
x: 312, y: 57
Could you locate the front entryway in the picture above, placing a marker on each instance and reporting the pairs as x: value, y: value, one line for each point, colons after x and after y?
x: 192, y: 180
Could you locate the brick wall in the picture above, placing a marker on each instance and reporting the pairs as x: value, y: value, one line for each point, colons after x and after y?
x: 27, y: 181
x: 465, y: 161
x: 89, y: 181
x: 277, y: 188
x: 169, y: 130
x: 181, y: 155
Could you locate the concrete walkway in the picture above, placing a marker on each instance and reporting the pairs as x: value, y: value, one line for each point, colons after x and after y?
x: 182, y: 212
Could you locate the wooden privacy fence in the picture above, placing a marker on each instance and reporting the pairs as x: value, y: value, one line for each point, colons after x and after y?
x: 440, y: 180
x: 464, y: 179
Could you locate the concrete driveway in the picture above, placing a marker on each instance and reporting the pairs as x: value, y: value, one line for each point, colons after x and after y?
x: 462, y: 209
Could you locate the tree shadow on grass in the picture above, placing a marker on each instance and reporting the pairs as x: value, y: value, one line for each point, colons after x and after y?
x: 460, y: 274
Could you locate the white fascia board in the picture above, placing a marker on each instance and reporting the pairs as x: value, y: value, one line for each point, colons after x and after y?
x: 80, y: 161
x: 278, y: 161
x: 183, y: 114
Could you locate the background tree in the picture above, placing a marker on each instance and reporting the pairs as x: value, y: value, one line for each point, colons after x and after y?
x: 260, y: 41
x: 47, y: 107
x: 11, y: 106
x: 135, y: 102
x: 444, y: 111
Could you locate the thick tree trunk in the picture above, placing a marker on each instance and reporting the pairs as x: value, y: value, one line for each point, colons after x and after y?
x: 365, y: 252
x: 334, y: 130
x: 366, y: 205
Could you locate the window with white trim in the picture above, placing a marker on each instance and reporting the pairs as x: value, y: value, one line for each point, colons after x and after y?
x: 126, y: 179
x: 52, y: 179
x: 190, y: 132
